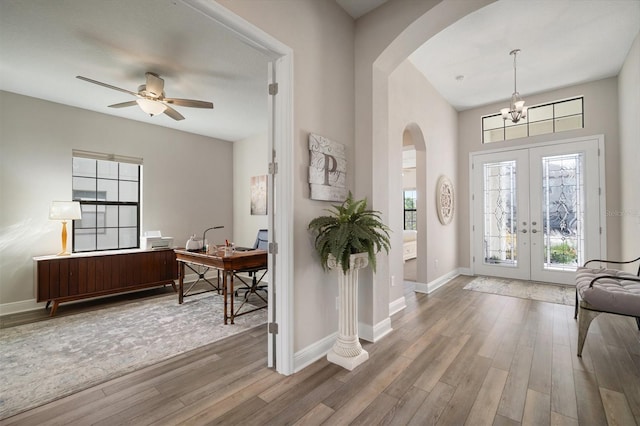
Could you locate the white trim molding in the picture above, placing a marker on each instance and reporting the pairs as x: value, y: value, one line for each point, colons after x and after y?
x: 397, y: 305
x: 313, y: 352
x: 437, y: 283
x: 375, y: 333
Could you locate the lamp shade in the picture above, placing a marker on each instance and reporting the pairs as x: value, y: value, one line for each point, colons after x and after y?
x: 65, y: 210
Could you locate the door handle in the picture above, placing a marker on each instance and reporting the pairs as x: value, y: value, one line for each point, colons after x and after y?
x: 524, y: 231
x: 533, y: 231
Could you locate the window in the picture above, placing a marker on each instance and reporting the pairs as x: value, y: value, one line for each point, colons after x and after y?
x: 108, y: 189
x: 410, y: 214
x: 541, y: 119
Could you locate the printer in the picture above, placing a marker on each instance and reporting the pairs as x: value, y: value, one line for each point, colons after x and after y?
x: 154, y: 240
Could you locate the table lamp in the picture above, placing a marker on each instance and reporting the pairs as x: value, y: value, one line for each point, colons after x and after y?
x: 64, y: 210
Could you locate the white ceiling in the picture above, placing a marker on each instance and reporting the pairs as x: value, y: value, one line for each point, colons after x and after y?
x: 357, y: 8
x: 45, y: 44
x: 563, y: 42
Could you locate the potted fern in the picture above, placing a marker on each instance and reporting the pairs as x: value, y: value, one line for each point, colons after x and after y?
x: 349, y: 229
x: 348, y: 239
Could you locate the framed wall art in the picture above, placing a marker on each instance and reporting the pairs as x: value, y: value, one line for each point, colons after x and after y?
x: 327, y: 169
x: 259, y: 195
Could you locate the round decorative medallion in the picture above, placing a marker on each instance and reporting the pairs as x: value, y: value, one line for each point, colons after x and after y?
x: 444, y: 200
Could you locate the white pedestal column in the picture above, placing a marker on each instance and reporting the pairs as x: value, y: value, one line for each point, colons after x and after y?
x: 347, y: 351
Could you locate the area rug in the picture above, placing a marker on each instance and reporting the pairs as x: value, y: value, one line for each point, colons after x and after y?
x: 552, y: 293
x: 44, y: 361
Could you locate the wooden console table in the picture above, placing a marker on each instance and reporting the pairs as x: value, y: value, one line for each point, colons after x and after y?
x: 227, y: 265
x: 84, y: 275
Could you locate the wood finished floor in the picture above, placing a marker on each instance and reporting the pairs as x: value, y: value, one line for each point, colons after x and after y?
x: 455, y: 357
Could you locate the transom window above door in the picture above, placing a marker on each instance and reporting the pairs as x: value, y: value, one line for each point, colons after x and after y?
x: 541, y: 119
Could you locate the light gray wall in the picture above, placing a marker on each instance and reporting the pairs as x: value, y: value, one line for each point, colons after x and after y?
x: 250, y: 158
x: 629, y: 113
x: 600, y: 117
x: 414, y: 101
x: 180, y: 194
x: 321, y: 35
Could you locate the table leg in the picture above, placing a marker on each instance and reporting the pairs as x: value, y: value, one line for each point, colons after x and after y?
x: 181, y: 282
x: 232, y: 305
x: 224, y: 294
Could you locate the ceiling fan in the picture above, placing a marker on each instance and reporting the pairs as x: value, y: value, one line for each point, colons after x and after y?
x: 151, y: 97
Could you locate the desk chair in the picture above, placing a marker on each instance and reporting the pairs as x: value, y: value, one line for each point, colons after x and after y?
x: 256, y: 274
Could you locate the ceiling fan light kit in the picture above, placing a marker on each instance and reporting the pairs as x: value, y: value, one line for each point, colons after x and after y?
x: 516, y: 110
x: 151, y: 98
x: 151, y: 107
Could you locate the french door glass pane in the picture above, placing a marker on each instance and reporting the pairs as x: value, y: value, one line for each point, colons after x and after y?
x: 500, y: 218
x: 563, y: 211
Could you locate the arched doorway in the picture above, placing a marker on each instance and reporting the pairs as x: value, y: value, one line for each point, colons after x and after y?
x: 414, y: 192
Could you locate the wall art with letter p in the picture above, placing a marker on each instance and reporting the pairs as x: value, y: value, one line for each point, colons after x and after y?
x: 327, y: 169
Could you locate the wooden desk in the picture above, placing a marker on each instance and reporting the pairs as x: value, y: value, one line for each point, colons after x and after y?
x: 228, y: 265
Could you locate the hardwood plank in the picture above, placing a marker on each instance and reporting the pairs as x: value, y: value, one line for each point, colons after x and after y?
x: 211, y: 410
x: 604, y: 368
x: 537, y: 409
x: 506, y: 351
x: 504, y: 421
x: 466, y: 391
x: 291, y: 406
x: 439, y: 365
x: 358, y: 402
x: 316, y: 416
x: 376, y: 411
x: 406, y: 407
x: 563, y: 394
x: 291, y: 381
x: 590, y: 408
x: 558, y: 419
x: 616, y: 408
x: 629, y: 373
x: 408, y: 378
x: 540, y: 377
x: 515, y: 392
x: 485, y: 406
x: 431, y: 409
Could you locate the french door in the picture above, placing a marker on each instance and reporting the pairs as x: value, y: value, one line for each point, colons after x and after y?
x: 537, y: 211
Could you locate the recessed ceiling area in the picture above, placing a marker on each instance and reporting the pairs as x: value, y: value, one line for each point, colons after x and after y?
x: 44, y: 45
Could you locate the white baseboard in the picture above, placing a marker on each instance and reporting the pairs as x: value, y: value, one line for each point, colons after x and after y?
x: 397, y: 305
x: 21, y: 306
x: 313, y: 352
x: 319, y: 349
x: 375, y: 333
x: 466, y: 271
x: 437, y: 283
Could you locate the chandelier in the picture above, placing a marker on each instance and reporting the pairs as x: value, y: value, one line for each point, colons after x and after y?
x: 516, y: 109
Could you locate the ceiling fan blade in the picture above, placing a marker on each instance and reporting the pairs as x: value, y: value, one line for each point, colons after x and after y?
x: 123, y: 104
x: 108, y: 86
x: 155, y: 85
x: 189, y: 103
x: 173, y: 113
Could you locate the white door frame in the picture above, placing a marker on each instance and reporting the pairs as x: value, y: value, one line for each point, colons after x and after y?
x: 281, y: 148
x: 602, y: 200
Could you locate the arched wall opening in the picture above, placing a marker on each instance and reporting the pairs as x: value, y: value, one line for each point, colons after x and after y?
x: 381, y: 46
x: 413, y: 140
